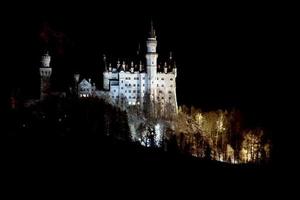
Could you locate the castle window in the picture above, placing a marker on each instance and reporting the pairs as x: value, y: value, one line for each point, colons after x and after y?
x: 133, y: 91
x: 125, y: 91
x: 114, y: 90
x: 125, y: 84
x: 137, y: 78
x: 160, y: 91
x: 143, y: 78
x: 157, y: 85
x: 162, y: 85
x: 171, y: 85
x: 171, y: 79
x: 170, y: 92
x: 144, y: 85
x: 162, y: 79
x: 162, y: 97
x: 129, y: 91
x: 133, y: 85
x: 157, y: 78
x: 121, y: 88
x: 170, y: 98
x: 129, y: 84
x: 138, y: 85
x: 138, y: 91
x: 122, y: 81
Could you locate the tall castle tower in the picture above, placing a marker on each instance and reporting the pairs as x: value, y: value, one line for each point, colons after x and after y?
x: 152, y: 87
x: 151, y: 60
x: 45, y: 73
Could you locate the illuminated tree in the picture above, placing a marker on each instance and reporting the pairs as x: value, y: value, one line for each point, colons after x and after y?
x: 220, y: 133
x: 251, y: 146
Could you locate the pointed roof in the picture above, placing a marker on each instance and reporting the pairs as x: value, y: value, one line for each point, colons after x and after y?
x: 152, y: 31
x: 138, y: 50
x: 85, y: 83
x: 105, y: 63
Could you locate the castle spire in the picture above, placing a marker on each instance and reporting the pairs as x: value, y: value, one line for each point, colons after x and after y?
x: 104, y: 60
x: 171, y: 56
x: 138, y: 50
x: 152, y: 31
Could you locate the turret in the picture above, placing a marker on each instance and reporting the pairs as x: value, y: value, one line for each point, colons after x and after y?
x: 175, y: 69
x: 76, y: 82
x: 140, y: 66
x: 45, y: 60
x: 104, y: 61
x: 106, y: 72
x: 118, y: 64
x: 123, y: 66
x: 76, y: 77
x: 131, y: 67
x: 109, y: 67
x: 171, y: 56
x: 45, y: 73
x: 151, y: 56
x: 165, y: 68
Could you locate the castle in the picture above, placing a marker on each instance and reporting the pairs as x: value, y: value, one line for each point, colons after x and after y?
x: 129, y: 84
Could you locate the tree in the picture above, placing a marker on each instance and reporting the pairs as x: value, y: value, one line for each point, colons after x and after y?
x: 251, y: 146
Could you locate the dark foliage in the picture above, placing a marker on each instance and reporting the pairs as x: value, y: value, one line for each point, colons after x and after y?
x: 68, y: 117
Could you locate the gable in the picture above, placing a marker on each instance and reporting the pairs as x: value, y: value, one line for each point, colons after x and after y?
x: 85, y: 84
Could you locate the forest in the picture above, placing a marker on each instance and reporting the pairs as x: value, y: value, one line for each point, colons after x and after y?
x: 212, y: 135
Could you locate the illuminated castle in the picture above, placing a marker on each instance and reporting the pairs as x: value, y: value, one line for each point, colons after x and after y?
x: 133, y: 82
x: 127, y: 83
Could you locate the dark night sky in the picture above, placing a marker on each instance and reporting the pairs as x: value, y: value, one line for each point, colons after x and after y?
x: 226, y: 52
